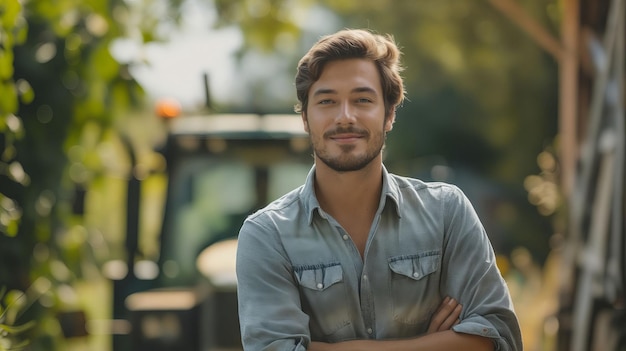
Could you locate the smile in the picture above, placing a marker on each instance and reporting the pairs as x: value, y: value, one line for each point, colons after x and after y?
x: 346, y: 135
x: 346, y: 138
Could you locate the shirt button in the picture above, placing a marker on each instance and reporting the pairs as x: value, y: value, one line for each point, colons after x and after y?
x: 345, y: 237
x: 320, y: 285
x: 415, y: 275
x: 369, y: 330
x: 365, y: 277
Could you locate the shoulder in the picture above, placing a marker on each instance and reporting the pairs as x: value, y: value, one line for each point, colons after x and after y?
x: 278, y: 214
x: 411, y: 195
x: 408, y: 186
x: 283, y: 203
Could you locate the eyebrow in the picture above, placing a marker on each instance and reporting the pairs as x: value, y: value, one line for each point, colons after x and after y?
x: 355, y: 90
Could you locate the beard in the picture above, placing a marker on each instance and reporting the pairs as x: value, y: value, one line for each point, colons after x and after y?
x: 346, y: 160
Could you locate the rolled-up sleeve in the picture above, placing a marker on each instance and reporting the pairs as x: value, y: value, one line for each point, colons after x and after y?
x: 270, y: 311
x: 471, y: 275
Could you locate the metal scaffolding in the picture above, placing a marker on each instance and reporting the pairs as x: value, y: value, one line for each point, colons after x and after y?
x: 596, y: 245
x: 592, y: 153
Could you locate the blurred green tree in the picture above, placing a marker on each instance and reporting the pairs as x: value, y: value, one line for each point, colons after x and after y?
x: 61, y: 92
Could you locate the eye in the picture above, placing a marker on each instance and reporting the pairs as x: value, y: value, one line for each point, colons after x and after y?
x: 363, y: 100
x: 325, y: 102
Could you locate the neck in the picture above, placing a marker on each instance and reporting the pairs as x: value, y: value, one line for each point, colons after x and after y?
x: 356, y: 192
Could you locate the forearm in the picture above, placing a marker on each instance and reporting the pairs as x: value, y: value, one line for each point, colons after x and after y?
x: 440, y: 341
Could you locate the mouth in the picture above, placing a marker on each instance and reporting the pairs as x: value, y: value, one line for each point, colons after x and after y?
x: 346, y: 136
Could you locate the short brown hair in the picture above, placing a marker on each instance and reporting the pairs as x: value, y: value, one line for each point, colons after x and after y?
x: 348, y: 44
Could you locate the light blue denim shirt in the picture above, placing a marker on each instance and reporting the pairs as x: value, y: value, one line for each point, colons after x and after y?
x: 302, y: 279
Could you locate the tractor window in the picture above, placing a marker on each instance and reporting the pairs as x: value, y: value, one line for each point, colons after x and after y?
x: 209, y: 201
x: 285, y: 177
x: 209, y: 198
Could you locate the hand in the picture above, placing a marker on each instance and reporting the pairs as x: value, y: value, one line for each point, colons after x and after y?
x: 446, y: 316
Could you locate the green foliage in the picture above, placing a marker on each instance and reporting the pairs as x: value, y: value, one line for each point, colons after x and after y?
x: 264, y: 23
x: 12, y: 32
x: 11, y: 304
x: 61, y: 91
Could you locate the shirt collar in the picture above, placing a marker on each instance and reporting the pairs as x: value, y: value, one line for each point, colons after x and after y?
x: 390, y: 190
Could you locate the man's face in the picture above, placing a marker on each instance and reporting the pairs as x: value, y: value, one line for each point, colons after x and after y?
x: 345, y: 117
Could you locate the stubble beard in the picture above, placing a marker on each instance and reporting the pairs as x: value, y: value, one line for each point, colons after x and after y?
x: 346, y: 161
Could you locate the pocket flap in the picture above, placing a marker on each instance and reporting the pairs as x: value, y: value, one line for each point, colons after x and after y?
x: 319, y: 277
x: 415, y: 266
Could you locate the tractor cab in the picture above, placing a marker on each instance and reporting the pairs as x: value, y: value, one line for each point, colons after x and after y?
x: 220, y: 168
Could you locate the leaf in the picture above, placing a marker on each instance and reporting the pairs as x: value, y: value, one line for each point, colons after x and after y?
x: 13, y: 346
x: 20, y: 31
x: 103, y: 64
x: 6, y: 65
x: 15, y: 330
x: 9, y: 13
x: 26, y: 92
x: 8, y: 98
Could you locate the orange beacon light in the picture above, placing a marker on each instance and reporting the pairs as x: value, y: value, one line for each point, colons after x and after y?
x: 167, y: 108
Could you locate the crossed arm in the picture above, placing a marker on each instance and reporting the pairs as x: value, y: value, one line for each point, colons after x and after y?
x: 438, y: 337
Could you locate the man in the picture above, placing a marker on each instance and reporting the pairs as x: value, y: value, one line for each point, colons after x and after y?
x: 358, y: 258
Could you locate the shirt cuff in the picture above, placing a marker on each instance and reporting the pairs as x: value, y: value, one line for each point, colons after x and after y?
x: 477, y: 326
x: 480, y: 326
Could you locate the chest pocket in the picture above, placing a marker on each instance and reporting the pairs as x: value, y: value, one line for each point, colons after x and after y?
x: 324, y: 298
x: 319, y: 277
x: 415, y: 286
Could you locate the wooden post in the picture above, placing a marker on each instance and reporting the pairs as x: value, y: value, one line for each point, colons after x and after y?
x: 568, y: 94
x: 565, y: 52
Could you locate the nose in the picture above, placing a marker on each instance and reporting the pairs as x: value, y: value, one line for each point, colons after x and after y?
x: 346, y: 114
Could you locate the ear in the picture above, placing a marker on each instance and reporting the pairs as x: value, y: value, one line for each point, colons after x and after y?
x: 305, y: 122
x: 389, y: 121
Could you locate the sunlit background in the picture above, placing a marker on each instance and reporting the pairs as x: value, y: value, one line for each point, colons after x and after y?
x: 501, y: 95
